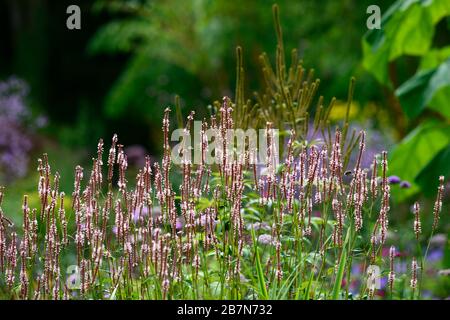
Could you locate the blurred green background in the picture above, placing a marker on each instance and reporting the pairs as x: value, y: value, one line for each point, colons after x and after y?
x: 130, y: 59
x: 61, y: 90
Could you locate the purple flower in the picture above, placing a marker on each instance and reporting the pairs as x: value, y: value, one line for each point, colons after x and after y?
x: 405, y: 184
x: 356, y: 269
x: 439, y: 239
x: 136, y: 155
x: 139, y: 215
x: 265, y: 239
x: 17, y: 126
x: 258, y: 226
x: 394, y: 179
x: 401, y: 267
x: 203, y: 221
x: 435, y: 255
x: 41, y: 121
x: 73, y: 281
x: 179, y: 224
x: 383, y: 282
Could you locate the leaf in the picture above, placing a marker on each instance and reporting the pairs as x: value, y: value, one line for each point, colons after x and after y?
x: 204, y: 203
x: 414, y: 153
x: 113, y: 294
x: 434, y: 58
x: 440, y: 102
x: 308, y: 287
x: 261, y: 280
x: 288, y: 284
x: 340, y: 274
x: 429, y: 176
x: 426, y: 87
x: 407, y: 28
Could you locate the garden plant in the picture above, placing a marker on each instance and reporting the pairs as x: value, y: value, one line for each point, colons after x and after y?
x: 302, y: 213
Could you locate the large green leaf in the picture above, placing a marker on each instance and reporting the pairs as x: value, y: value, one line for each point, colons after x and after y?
x: 434, y: 58
x: 414, y: 153
x: 430, y: 87
x: 407, y: 28
x: 429, y: 176
x: 441, y: 101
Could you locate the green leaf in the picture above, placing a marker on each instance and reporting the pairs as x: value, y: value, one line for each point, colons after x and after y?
x: 439, y: 166
x: 414, y: 153
x: 434, y: 58
x: 407, y: 28
x: 204, y: 203
x: 431, y: 87
x: 308, y: 287
x: 340, y: 274
x: 261, y: 279
x: 440, y: 101
x: 113, y: 294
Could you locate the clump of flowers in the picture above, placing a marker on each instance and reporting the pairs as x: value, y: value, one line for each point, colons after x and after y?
x: 228, y: 231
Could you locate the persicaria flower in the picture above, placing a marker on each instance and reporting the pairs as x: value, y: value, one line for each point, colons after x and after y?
x: 438, y: 203
x: 417, y: 226
x: 391, y: 277
x: 414, y: 273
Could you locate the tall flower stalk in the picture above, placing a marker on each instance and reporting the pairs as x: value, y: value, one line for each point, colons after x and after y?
x: 300, y: 223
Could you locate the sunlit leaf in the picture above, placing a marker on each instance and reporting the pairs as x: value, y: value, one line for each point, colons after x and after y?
x: 411, y: 155
x: 439, y: 166
x: 407, y: 28
x: 431, y: 86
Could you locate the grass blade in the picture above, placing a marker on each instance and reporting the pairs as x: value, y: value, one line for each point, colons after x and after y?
x: 261, y: 281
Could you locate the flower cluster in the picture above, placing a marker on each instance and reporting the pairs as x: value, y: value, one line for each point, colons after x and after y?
x: 150, y: 240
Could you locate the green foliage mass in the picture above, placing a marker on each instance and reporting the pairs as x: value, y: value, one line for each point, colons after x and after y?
x: 411, y: 29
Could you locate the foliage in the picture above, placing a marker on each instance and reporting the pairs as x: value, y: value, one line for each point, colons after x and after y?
x: 409, y: 28
x: 303, y: 225
x: 426, y: 141
x: 193, y: 42
x: 308, y: 228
